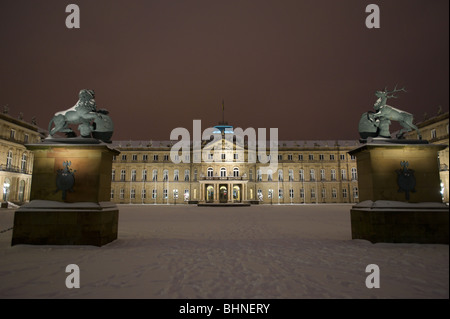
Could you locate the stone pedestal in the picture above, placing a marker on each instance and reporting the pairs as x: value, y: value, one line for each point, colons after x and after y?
x: 399, y: 192
x: 70, y: 195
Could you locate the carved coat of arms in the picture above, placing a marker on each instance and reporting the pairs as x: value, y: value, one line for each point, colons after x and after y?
x: 405, y: 179
x: 65, y: 179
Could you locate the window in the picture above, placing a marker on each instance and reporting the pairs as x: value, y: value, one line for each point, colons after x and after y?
x: 114, y: 157
x: 223, y: 156
x: 122, y: 193
x: 177, y: 158
x: 23, y: 165
x: 210, y: 172
x: 154, y: 192
x: 291, y: 193
x: 175, y: 193
x: 259, y: 193
x: 176, y: 174
x: 311, y: 157
x: 124, y: 157
x: 312, y: 175
x: 165, y: 175
x: 280, y: 193
x: 187, y: 173
x: 144, y: 193
x: 331, y: 157
x: 300, y: 157
x: 235, y: 172
x: 301, y: 175
x: 186, y: 194
x: 166, y: 157
x: 13, y: 134
x: 133, y: 193
x: 112, y: 193
x: 134, y: 157
x: 145, y: 158
x: 269, y: 175
x: 223, y: 172
x: 302, y: 193
x: 343, y: 174
x: 291, y: 175
x: 26, y: 138
x: 155, y: 157
x: 9, y: 159
x: 322, y: 174
x: 324, y: 192
x: 250, y: 174
x: 334, y: 193
x: 342, y: 157
x: 352, y: 157
x: 280, y: 175
x: 155, y: 175
x: 433, y: 133
x: 113, y: 175
x: 165, y: 193
x: 210, y: 156
x: 144, y: 175
x: 133, y: 175
x: 235, y: 156
x: 344, y: 192
x: 258, y: 175
x: 280, y: 157
x: 270, y: 194
x: 354, y: 174
x: 187, y: 158
x: 195, y: 174
x: 355, y: 192
x: 289, y: 157
x: 122, y: 175
x: 333, y: 174
x: 313, y: 192
x: 321, y: 157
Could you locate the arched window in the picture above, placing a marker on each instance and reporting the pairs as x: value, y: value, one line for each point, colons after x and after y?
x: 210, y: 172
x: 155, y: 175
x: 269, y: 175
x: 23, y: 165
x: 223, y: 172
x: 280, y: 175
x: 165, y: 175
x: 176, y: 175
x: 236, y: 172
x: 6, y: 189
x: 9, y: 159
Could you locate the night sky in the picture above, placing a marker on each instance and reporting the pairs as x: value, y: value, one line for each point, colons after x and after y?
x: 309, y: 68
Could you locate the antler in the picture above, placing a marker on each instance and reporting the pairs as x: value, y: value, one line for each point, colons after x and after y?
x: 394, y: 91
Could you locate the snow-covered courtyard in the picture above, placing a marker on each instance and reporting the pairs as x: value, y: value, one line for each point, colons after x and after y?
x: 279, y: 251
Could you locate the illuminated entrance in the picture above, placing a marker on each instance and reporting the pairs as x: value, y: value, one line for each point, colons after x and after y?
x: 223, y: 190
x: 223, y: 194
x: 210, y: 194
x: 236, y: 193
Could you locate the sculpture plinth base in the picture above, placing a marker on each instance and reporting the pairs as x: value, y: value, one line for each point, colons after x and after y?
x: 379, y: 161
x: 399, y: 222
x: 43, y: 222
x: 70, y: 195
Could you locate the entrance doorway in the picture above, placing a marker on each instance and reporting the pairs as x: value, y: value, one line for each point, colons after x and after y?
x: 209, y: 194
x: 223, y: 193
x: 236, y: 193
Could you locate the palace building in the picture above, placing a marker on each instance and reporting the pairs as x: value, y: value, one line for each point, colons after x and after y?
x: 16, y: 162
x: 306, y: 172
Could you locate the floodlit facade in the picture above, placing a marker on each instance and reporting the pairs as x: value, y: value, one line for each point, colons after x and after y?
x: 16, y: 162
x: 307, y: 172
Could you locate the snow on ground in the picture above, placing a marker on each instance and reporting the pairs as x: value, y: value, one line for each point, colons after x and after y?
x: 279, y: 251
